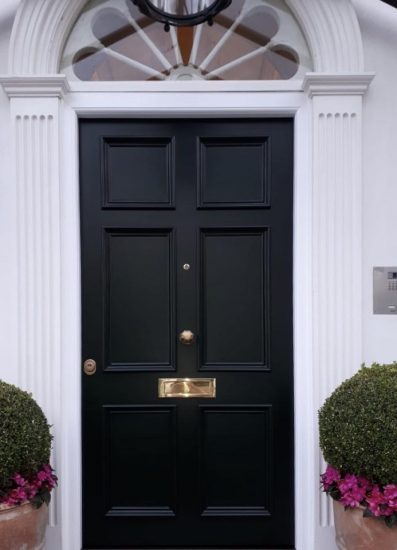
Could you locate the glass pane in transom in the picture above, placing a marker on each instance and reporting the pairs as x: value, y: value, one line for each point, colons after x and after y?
x: 250, y: 40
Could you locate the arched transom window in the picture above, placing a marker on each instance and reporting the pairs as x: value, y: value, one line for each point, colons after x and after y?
x: 250, y: 40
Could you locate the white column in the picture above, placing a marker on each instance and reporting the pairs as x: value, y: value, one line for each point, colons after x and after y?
x: 337, y: 244
x: 35, y: 111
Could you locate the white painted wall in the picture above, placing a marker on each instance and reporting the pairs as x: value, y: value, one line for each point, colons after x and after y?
x: 379, y: 27
x: 378, y: 23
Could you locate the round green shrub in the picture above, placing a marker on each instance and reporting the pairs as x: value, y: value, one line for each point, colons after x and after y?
x: 25, y: 439
x: 358, y: 424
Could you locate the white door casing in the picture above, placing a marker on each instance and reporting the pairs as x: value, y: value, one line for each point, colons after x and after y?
x: 44, y: 110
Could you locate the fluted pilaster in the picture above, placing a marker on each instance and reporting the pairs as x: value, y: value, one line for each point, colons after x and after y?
x: 337, y: 237
x: 35, y: 145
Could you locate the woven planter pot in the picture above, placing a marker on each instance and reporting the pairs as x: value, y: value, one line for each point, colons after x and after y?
x: 23, y: 527
x: 354, y: 532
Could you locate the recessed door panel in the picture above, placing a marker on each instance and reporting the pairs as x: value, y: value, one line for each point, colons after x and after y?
x: 235, y: 299
x: 140, y: 460
x: 137, y: 172
x: 234, y: 172
x: 139, y: 289
x: 235, y: 463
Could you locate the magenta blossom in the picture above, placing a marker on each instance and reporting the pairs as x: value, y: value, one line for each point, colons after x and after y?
x: 36, y: 488
x: 390, y: 494
x: 330, y: 476
x: 354, y: 497
x: 354, y: 491
x: 347, y: 483
x: 375, y: 500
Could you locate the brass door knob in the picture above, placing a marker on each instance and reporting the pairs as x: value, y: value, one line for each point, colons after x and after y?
x: 89, y: 367
x: 186, y: 337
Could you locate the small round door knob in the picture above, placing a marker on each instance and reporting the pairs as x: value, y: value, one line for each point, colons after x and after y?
x: 89, y: 367
x: 186, y: 337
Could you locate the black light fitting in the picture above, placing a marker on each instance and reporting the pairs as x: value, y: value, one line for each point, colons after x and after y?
x: 391, y: 3
x: 181, y: 13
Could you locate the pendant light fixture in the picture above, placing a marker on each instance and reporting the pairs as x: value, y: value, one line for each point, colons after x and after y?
x: 181, y: 13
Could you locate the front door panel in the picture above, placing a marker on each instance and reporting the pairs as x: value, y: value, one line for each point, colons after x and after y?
x: 187, y: 226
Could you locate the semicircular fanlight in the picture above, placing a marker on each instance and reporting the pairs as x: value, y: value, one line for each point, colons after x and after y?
x: 250, y: 40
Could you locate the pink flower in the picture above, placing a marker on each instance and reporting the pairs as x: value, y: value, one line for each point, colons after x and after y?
x: 19, y: 480
x: 331, y: 475
x: 23, y: 489
x: 352, y: 490
x: 376, y: 501
x: 347, y: 483
x: 42, y: 475
x: 364, y: 482
x: 390, y: 491
x: 352, y: 499
x: 390, y: 495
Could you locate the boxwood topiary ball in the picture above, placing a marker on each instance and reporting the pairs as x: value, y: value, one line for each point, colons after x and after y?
x: 25, y: 439
x: 358, y: 424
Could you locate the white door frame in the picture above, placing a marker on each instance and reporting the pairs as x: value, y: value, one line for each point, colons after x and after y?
x: 44, y: 247
x: 195, y: 106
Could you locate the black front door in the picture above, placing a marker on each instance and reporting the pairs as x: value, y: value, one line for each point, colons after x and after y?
x: 187, y: 226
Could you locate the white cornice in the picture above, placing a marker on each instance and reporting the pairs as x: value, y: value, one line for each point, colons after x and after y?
x: 35, y: 86
x: 337, y: 84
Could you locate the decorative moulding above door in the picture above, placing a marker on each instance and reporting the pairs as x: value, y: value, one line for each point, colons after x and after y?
x: 54, y: 85
x: 337, y: 83
x: 57, y: 85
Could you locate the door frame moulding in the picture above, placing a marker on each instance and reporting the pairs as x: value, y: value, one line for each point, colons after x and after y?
x: 296, y: 107
x: 44, y: 111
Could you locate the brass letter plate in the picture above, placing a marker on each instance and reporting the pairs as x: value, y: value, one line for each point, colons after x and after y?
x: 187, y: 387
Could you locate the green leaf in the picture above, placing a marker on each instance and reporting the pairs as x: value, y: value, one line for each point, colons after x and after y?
x: 46, y: 497
x: 37, y: 501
